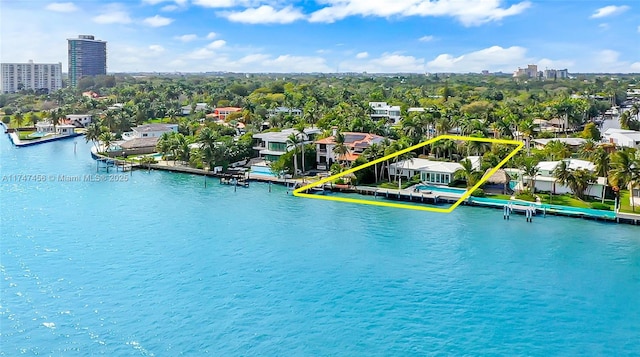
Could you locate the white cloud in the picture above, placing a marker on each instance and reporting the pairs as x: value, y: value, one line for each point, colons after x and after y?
x: 113, y: 17
x: 156, y: 48
x: 216, y: 44
x: 253, y: 58
x: 169, y: 8
x: 199, y: 54
x: 296, y: 64
x: 362, y: 55
x: 62, y: 7
x: 264, y: 14
x: 157, y: 21
x: 187, y: 38
x: 468, y: 12
x: 635, y: 66
x: 386, y: 63
x: 426, y: 38
x: 492, y: 58
x: 156, y: 2
x: 211, y: 35
x: 610, y: 10
x: 555, y: 64
x: 215, y: 3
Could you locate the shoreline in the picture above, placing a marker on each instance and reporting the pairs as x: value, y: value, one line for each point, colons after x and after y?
x: 406, y: 195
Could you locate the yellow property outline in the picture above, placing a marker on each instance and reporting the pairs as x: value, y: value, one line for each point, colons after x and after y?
x: 299, y: 192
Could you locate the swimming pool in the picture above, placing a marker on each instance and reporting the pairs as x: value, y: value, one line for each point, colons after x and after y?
x: 38, y: 134
x: 457, y: 191
x: 262, y: 170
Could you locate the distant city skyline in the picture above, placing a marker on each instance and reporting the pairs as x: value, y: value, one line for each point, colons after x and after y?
x: 376, y: 36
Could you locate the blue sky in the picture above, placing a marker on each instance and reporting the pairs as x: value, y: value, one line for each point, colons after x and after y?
x: 330, y: 35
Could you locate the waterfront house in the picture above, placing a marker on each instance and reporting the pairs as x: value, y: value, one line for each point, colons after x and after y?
x: 356, y: 143
x: 65, y: 129
x: 545, y: 180
x: 44, y: 127
x: 272, y: 145
x: 78, y: 120
x: 622, y: 137
x: 384, y: 111
x: 152, y: 130
x: 432, y: 172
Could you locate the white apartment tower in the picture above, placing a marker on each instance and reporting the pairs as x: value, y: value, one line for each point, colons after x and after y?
x: 37, y: 76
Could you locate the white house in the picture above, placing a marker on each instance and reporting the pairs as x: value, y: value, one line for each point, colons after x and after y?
x: 622, y: 137
x: 272, y: 145
x: 546, y: 182
x: 356, y: 143
x: 383, y: 111
x: 200, y: 107
x: 152, y: 130
x: 44, y: 127
x: 65, y: 129
x: 434, y: 172
x: 573, y: 143
x: 80, y: 120
x: 284, y: 110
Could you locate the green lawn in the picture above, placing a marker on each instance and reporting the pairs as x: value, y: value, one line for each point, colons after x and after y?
x: 24, y: 135
x: 562, y: 200
x: 624, y: 203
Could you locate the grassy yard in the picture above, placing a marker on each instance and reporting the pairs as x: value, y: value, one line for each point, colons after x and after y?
x: 562, y: 200
x: 24, y: 135
x: 625, y: 206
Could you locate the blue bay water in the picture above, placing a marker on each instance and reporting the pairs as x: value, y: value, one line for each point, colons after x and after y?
x: 159, y: 265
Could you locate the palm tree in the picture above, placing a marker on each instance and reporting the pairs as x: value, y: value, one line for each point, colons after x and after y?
x: 164, y: 144
x: 562, y: 174
x: 557, y: 150
x: 527, y: 128
x: 106, y: 138
x: 292, y: 142
x: 467, y: 173
x: 300, y: 129
x: 530, y: 169
x: 94, y: 130
x: 340, y: 149
x: 625, y: 171
x: 587, y: 148
x: 600, y: 157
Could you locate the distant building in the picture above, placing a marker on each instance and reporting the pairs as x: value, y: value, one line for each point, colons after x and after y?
x: 79, y: 120
x: 223, y: 112
x: 284, y: 110
x: 531, y: 71
x: 87, y: 57
x: 37, y: 76
x: 199, y: 107
x: 150, y: 131
x: 381, y: 110
x: 622, y: 137
x: 555, y: 74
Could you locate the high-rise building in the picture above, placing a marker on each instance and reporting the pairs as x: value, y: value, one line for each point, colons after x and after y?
x: 87, y: 57
x: 15, y: 77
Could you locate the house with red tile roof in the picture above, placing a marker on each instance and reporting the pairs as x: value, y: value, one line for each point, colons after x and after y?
x: 356, y: 144
x: 223, y: 112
